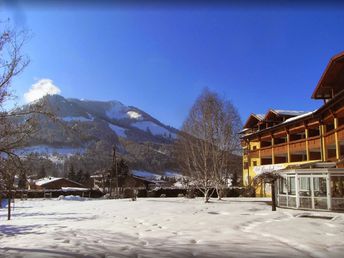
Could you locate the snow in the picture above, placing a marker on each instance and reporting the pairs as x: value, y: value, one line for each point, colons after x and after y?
x: 134, y: 115
x: 155, y: 129
x: 289, y: 112
x: 67, y: 189
x: 120, y: 131
x: 299, y: 116
x: 167, y: 227
x: 145, y: 174
x: 116, y: 111
x: 70, y: 198
x: 77, y: 119
x: 119, y: 111
x: 45, y: 149
x: 46, y: 180
x: 260, y: 116
x: 172, y: 174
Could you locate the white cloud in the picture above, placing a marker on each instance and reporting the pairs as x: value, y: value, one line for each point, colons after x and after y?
x: 41, y: 88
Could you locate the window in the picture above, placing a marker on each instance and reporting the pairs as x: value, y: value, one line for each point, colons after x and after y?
x: 245, y: 165
x: 282, y: 186
x: 305, y: 189
x: 337, y: 186
x: 319, y: 186
x: 254, y: 147
x: 291, y: 186
x: 254, y: 163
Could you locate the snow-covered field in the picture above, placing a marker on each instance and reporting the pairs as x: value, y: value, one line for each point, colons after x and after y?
x: 167, y: 227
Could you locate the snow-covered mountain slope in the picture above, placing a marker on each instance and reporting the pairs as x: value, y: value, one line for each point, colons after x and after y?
x: 111, y: 117
x: 84, y: 124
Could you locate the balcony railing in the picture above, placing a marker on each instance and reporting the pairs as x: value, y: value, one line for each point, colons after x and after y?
x: 297, y: 146
x: 281, y: 148
x: 266, y: 152
x: 330, y: 138
x: 254, y: 154
x: 314, y: 142
x: 340, y: 131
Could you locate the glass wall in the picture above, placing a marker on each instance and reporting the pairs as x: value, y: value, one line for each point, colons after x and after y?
x: 319, y: 191
x: 337, y: 192
x: 287, y: 192
x: 305, y: 192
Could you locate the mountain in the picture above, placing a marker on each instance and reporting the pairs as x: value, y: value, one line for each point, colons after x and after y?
x: 88, y: 128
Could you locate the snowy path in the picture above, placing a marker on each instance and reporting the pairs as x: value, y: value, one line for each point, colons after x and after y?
x: 166, y: 227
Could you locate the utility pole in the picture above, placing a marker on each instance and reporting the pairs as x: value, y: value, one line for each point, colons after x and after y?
x: 114, y: 162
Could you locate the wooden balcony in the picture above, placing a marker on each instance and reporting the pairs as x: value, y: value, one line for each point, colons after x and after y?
x: 266, y: 152
x: 314, y: 143
x: 340, y: 131
x: 254, y: 154
x: 297, y: 146
x: 330, y: 138
x: 281, y: 149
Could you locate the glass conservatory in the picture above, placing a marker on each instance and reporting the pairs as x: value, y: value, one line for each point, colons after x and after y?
x: 316, y: 189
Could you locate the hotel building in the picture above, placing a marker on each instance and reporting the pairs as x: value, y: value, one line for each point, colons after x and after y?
x: 306, y: 148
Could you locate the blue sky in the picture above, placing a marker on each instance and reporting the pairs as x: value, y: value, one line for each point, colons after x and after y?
x: 160, y: 59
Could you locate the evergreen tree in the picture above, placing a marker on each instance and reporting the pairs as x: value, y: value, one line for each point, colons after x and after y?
x: 122, y: 168
x: 42, y: 173
x: 79, y: 176
x: 71, y: 173
x: 22, y: 182
x: 86, y: 177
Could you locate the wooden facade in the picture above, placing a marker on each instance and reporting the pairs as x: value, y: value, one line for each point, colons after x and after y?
x: 296, y: 137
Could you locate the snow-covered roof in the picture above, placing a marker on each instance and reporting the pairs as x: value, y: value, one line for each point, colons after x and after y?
x: 244, y: 130
x: 67, y: 189
x: 46, y: 180
x: 289, y: 112
x: 299, y: 116
x: 259, y: 116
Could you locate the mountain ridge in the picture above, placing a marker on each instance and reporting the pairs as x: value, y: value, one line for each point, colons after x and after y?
x: 91, y: 126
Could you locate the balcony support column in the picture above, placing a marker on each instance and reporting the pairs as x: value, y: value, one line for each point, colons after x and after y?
x: 272, y: 149
x: 322, y: 142
x: 259, y: 153
x: 288, y: 147
x: 336, y: 138
x: 307, y: 146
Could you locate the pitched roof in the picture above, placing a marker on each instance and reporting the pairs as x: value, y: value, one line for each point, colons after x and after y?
x: 332, y: 80
x: 258, y: 117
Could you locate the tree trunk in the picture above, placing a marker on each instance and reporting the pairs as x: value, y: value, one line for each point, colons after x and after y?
x: 273, y: 196
x: 219, y: 194
x: 206, y: 195
x: 9, y: 206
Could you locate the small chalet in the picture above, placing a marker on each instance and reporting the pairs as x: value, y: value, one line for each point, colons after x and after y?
x: 57, y: 183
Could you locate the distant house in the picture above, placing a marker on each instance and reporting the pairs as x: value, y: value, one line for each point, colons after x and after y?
x: 57, y: 183
x: 101, y: 180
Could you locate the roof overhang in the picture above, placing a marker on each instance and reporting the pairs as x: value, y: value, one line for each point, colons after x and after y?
x: 332, y: 80
x: 252, y: 119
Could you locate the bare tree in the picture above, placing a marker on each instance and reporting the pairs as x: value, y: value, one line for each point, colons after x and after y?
x: 207, y: 143
x: 16, y: 125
